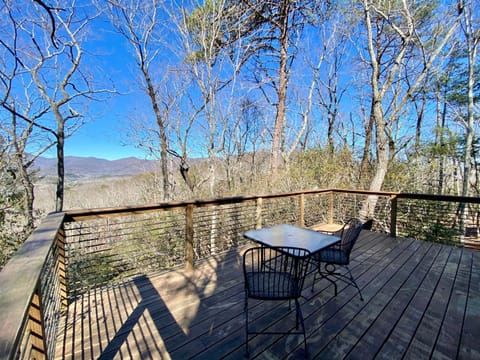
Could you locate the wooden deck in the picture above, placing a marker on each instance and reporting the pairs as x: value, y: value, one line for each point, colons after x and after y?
x: 422, y: 300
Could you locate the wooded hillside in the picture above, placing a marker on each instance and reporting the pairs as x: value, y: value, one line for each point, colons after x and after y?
x: 273, y: 95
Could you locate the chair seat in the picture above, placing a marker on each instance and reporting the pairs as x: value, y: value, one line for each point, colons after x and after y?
x: 327, y: 228
x: 333, y: 256
x: 269, y: 286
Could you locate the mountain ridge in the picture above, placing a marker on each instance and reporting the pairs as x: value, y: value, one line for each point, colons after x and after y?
x: 78, y: 167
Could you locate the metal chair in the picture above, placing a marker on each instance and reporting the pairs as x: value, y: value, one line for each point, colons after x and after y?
x: 275, y: 274
x: 338, y: 255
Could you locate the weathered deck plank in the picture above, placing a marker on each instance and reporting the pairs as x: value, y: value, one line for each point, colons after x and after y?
x: 469, y: 348
x: 448, y: 339
x: 421, y: 300
x: 385, y: 308
x: 423, y: 342
x: 339, y: 335
x: 372, y: 340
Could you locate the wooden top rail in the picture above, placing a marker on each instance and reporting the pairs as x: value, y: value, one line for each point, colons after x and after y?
x: 447, y: 198
x: 414, y: 196
x: 78, y: 215
x: 19, y: 280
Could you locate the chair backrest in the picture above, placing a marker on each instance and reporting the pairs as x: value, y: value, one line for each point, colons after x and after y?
x: 350, y: 234
x: 275, y: 272
x: 367, y: 225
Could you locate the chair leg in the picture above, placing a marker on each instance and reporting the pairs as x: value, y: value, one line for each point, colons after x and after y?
x: 314, y: 279
x: 298, y: 321
x: 333, y: 282
x: 297, y: 315
x: 246, y: 325
x: 349, y: 279
x: 354, y: 283
x: 324, y: 277
x: 300, y: 316
x: 315, y: 270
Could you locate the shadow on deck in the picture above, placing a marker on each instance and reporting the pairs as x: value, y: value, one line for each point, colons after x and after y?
x: 422, y: 300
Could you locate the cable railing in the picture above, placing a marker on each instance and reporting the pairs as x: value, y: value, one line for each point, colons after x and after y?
x: 74, y: 252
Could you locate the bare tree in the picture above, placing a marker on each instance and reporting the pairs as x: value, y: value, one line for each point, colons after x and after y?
x: 23, y: 133
x: 180, y: 109
x: 244, y: 137
x: 49, y: 67
x: 184, y: 112
x: 266, y: 34
x: 21, y: 111
x: 471, y: 31
x: 139, y: 22
x: 393, y: 31
x: 212, y: 72
x: 327, y: 74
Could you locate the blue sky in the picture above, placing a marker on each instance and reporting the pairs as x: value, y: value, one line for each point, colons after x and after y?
x: 108, y: 58
x: 104, y: 134
x: 102, y: 139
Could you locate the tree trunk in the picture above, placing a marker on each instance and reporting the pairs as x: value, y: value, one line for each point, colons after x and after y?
x: 365, y: 164
x: 23, y: 173
x: 381, y: 165
x: 468, y: 161
x: 420, y: 115
x: 60, y: 159
x: 471, y: 44
x: 279, y: 128
x: 377, y: 119
x: 28, y: 196
x: 162, y: 134
x: 443, y: 114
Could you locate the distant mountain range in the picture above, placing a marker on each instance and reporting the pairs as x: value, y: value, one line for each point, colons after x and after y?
x: 91, y: 167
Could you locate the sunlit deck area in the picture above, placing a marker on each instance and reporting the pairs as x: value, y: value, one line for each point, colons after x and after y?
x: 421, y: 300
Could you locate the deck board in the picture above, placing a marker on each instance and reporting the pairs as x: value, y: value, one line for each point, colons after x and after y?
x: 421, y: 300
x: 347, y: 333
x: 423, y: 342
x: 385, y: 325
x: 448, y: 339
x: 389, y: 304
x: 469, y: 348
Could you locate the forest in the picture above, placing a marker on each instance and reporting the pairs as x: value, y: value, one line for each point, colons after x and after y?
x: 238, y: 97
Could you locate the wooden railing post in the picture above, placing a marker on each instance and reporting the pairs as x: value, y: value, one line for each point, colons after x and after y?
x: 189, y: 238
x: 393, y: 215
x: 330, y: 207
x: 301, y: 217
x: 258, y: 215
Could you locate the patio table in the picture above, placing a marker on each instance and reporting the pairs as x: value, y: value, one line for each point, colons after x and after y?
x: 285, y: 235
